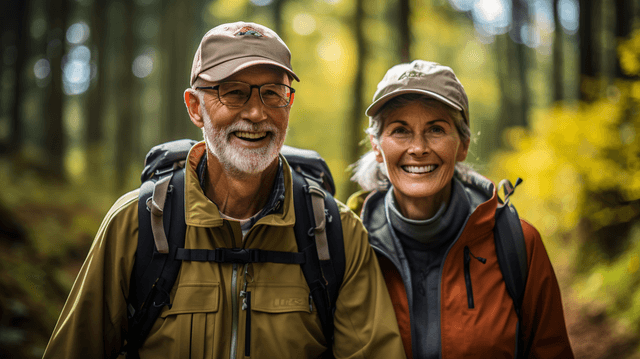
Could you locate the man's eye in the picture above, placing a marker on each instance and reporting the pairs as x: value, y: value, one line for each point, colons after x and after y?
x: 235, y: 92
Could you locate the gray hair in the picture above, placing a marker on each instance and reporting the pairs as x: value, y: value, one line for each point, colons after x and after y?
x: 372, y: 175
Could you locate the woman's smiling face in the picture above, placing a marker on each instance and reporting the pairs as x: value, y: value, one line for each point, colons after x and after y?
x: 420, y: 146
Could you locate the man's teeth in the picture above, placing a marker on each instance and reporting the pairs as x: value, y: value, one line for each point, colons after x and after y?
x: 251, y: 135
x: 419, y: 169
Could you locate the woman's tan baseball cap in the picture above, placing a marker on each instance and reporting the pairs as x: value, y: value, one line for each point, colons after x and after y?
x: 229, y: 48
x: 422, y: 77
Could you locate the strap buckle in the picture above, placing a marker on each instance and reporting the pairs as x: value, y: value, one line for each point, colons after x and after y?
x: 237, y: 255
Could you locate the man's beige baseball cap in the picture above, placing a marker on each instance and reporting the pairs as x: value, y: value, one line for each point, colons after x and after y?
x: 229, y: 48
x: 422, y: 77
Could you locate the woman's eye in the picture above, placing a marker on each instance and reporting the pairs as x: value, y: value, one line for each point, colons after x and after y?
x: 399, y: 130
x: 437, y: 129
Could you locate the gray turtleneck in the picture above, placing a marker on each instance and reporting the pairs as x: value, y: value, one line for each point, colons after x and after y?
x: 425, y: 243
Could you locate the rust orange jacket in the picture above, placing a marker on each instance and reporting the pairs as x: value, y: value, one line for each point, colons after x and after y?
x: 489, y: 329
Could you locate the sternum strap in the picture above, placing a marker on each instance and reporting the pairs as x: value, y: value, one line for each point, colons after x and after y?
x: 233, y: 255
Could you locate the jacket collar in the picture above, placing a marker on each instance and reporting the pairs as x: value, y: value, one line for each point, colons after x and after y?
x: 482, y: 197
x: 200, y: 211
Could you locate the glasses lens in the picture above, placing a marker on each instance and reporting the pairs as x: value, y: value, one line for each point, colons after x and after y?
x: 234, y: 93
x: 274, y: 95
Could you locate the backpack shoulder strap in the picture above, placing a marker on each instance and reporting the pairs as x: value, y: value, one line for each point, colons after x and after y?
x: 155, y: 268
x: 512, y: 254
x: 318, y: 231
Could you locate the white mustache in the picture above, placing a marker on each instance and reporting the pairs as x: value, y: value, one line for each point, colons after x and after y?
x: 246, y: 126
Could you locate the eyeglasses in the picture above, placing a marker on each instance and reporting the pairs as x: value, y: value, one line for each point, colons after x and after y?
x: 236, y: 94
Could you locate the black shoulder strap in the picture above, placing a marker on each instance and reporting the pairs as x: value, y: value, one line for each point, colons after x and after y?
x: 512, y: 255
x: 324, y: 276
x: 154, y: 273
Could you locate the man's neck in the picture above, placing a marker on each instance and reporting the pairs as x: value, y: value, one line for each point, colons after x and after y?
x: 238, y: 197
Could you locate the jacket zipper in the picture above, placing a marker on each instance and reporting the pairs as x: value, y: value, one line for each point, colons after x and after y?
x: 234, y: 312
x: 246, y: 306
x: 467, y: 274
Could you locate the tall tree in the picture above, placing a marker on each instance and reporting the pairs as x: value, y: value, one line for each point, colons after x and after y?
x: 18, y: 24
x: 176, y: 34
x: 520, y: 21
x: 623, y: 26
x: 55, y: 139
x: 558, y: 73
x: 97, y: 92
x: 404, y: 30
x: 357, y: 108
x: 589, y: 56
x: 126, y: 99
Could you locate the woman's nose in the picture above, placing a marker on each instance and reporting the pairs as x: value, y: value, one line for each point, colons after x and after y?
x: 419, y: 146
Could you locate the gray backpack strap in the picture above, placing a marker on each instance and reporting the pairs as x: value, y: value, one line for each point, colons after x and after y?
x: 155, y: 203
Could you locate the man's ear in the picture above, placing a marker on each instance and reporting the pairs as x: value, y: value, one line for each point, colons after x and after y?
x: 376, y: 148
x: 192, y: 101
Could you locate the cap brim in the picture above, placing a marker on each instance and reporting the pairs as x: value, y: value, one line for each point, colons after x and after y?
x: 224, y: 70
x: 377, y: 105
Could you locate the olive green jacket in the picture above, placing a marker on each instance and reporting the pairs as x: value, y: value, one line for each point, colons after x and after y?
x: 206, y: 319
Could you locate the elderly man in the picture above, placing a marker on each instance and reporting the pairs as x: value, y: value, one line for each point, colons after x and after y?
x: 237, y: 194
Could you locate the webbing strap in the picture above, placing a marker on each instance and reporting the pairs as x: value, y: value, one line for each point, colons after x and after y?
x: 233, y: 255
x: 156, y: 206
x: 317, y: 203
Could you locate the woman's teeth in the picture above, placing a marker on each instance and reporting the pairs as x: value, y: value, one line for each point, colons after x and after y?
x: 419, y: 169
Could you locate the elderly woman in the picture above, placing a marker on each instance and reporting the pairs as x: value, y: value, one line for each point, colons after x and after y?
x: 431, y: 222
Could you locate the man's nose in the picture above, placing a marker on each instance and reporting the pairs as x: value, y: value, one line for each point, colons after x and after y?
x: 253, y: 110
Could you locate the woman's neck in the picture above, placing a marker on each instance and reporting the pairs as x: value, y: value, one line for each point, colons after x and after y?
x: 419, y: 208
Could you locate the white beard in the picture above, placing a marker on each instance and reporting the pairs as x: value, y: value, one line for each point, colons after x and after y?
x: 238, y: 160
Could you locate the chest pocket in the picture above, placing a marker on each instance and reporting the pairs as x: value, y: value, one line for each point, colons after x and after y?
x: 186, y: 329
x: 283, y: 317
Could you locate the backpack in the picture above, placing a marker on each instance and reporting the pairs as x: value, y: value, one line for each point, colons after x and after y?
x: 161, y: 238
x: 512, y: 256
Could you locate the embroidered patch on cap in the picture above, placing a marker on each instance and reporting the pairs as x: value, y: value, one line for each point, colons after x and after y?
x: 248, y: 30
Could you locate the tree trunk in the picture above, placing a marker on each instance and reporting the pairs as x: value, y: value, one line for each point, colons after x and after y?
x: 357, y: 110
x: 55, y: 141
x: 589, y: 59
x: 94, y: 135
x: 22, y: 41
x: 624, y: 24
x: 127, y: 100
x: 404, y: 30
x: 558, y: 74
x: 177, y: 57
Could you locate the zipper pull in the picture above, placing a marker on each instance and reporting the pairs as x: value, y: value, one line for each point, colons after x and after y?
x: 310, y: 303
x: 467, y: 253
x: 244, y: 304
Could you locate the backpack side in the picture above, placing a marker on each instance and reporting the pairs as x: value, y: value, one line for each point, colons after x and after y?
x: 512, y: 257
x: 154, y: 273
x: 323, y: 272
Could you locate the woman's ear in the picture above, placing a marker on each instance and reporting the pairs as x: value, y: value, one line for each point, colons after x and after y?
x: 192, y: 101
x: 463, y: 150
x: 375, y: 145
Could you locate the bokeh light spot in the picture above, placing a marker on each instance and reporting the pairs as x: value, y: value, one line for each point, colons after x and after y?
x: 304, y: 24
x: 261, y: 2
x: 329, y: 50
x: 42, y: 69
x: 78, y: 33
x: 142, y: 66
x: 569, y: 15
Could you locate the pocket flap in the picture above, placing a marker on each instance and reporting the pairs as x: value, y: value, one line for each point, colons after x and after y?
x: 194, y: 298
x: 280, y: 298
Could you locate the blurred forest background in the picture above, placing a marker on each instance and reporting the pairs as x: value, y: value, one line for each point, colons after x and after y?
x: 88, y: 86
